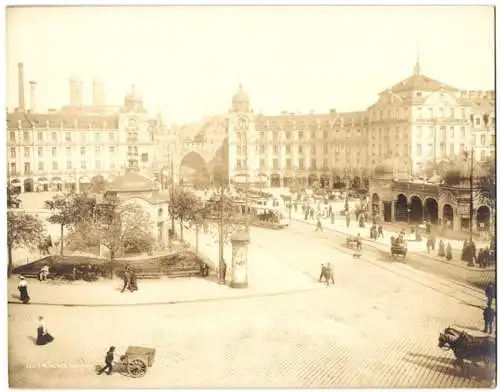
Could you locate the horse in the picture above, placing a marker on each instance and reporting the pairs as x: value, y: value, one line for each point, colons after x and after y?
x: 469, y: 348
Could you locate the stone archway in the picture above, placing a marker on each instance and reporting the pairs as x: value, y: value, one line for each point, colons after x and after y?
x: 401, y: 208
x: 312, y: 179
x: 29, y: 185
x: 448, y: 215
x: 375, y: 204
x: 416, y: 209
x: 324, y: 181
x: 193, y: 168
x: 483, y: 217
x: 275, y: 180
x: 98, y: 184
x: 431, y: 210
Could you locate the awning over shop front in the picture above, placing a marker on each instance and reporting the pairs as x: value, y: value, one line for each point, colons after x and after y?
x: 84, y: 180
x: 56, y: 180
x: 43, y: 181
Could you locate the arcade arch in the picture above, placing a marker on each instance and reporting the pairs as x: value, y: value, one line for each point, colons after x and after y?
x: 416, y: 209
x: 448, y: 215
x: 431, y: 210
x: 401, y: 208
x: 483, y: 217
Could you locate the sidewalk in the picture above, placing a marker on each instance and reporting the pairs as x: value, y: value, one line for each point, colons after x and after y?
x: 418, y: 247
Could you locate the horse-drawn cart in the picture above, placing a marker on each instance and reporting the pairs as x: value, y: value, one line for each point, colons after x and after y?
x: 136, y: 360
x: 351, y: 242
x: 398, y: 248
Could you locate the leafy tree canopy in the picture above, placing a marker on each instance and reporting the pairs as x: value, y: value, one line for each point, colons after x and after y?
x: 24, y: 230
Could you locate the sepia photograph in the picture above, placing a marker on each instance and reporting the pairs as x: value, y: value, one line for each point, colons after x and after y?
x: 250, y: 196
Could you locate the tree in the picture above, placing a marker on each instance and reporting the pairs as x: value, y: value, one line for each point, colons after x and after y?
x: 13, y: 200
x: 70, y: 210
x: 98, y: 184
x: 184, y: 207
x: 119, y: 223
x: 22, y: 230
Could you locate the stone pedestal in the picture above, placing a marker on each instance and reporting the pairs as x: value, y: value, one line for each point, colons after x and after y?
x: 239, y: 276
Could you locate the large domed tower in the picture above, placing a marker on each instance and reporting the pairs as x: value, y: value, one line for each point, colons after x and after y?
x: 243, y: 158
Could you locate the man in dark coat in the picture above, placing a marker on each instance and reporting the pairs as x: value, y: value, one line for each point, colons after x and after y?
x: 324, y: 273
x: 110, y: 356
x: 490, y: 293
x: 126, y: 279
x: 488, y: 316
x: 223, y: 272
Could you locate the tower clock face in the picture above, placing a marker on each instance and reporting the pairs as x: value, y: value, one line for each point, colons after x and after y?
x: 242, y: 123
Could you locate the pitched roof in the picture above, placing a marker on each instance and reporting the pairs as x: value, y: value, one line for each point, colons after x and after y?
x: 417, y: 82
x: 130, y: 181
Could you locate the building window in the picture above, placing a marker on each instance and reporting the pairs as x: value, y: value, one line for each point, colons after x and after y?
x: 83, y: 165
x: 288, y: 149
x: 478, y: 121
x: 54, y: 151
x: 262, y: 148
x: 238, y: 164
x: 83, y: 151
x: 111, y: 136
x: 67, y: 136
x: 443, y: 133
x: 452, y: 149
x: 325, y: 163
x: 26, y: 136
x: 26, y: 152
x: 452, y: 113
x: 40, y: 152
x: 289, y: 163
x: 40, y: 136
x: 12, y: 136
x: 473, y: 140
x: 300, y: 149
x: 136, y: 150
x: 129, y: 150
x: 462, y: 131
x: 69, y: 165
x: 54, y: 136
x: 275, y: 164
x: 301, y: 135
x: 144, y: 157
x: 13, y: 168
x: 483, y: 140
x: 483, y: 155
x: 419, y: 112
x: 55, y: 165
x: 262, y: 163
x: 452, y: 132
x: 98, y: 150
x: 12, y: 152
x: 419, y: 150
x: 313, y: 150
x: 443, y: 149
x: 111, y: 150
x: 97, y: 165
x: 27, y: 168
x: 301, y: 163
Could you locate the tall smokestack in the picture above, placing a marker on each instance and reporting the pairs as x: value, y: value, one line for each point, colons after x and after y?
x: 20, y: 72
x: 33, y: 96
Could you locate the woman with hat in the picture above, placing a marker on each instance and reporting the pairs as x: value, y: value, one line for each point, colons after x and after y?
x: 23, y: 290
x: 42, y: 336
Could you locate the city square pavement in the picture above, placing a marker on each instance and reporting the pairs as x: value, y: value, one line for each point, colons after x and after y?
x: 376, y: 327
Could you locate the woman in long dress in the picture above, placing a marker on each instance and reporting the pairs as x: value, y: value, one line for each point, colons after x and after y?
x: 23, y: 290
x: 42, y: 336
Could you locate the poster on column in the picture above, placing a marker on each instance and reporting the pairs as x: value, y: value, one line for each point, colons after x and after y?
x: 239, y: 264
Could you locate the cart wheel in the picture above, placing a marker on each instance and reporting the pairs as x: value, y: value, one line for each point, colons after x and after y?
x: 136, y: 368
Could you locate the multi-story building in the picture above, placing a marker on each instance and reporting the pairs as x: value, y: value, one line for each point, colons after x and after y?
x: 415, y: 124
x: 68, y: 148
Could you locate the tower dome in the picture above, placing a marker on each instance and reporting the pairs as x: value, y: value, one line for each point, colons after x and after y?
x: 241, y: 101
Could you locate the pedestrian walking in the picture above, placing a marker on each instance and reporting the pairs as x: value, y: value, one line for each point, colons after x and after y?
x: 380, y: 231
x: 223, y: 272
x: 449, y: 252
x: 126, y: 279
x: 488, y: 316
x: 43, y: 337
x: 332, y: 218
x: 489, y: 291
x: 323, y: 272
x: 319, y: 226
x: 330, y: 274
x: 358, y: 243
x: 347, y: 219
x: 108, y: 360
x: 23, y: 290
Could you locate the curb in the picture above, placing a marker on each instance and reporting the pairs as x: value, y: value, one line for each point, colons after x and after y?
x: 179, y: 302
x: 372, y: 242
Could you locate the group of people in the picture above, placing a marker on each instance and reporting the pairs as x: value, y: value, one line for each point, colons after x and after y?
x: 129, y: 280
x: 43, y: 337
x: 470, y: 254
x: 327, y: 274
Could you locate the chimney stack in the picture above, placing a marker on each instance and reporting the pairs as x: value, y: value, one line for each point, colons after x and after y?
x: 33, y: 96
x: 20, y: 72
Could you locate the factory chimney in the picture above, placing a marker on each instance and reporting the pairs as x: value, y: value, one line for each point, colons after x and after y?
x: 33, y: 96
x: 20, y: 73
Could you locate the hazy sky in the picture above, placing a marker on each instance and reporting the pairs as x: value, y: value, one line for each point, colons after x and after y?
x: 188, y: 61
